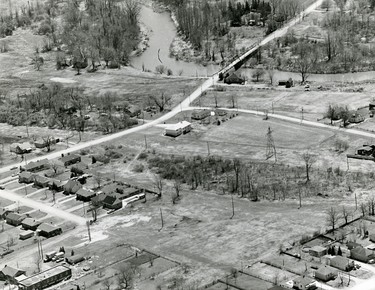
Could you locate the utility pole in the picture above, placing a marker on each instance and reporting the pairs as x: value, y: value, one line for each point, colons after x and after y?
x: 162, y: 221
x: 232, y: 208
x: 208, y: 149
x: 301, y: 114
x: 88, y: 230
x: 145, y: 141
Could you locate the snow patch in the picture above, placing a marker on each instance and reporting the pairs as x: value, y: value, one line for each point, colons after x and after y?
x: 63, y: 80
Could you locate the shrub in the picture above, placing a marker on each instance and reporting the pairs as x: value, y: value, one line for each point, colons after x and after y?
x: 143, y: 155
x: 160, y: 69
x: 138, y: 168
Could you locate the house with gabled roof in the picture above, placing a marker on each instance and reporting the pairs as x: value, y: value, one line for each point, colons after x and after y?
x: 14, y: 219
x: 326, y: 273
x: 318, y: 251
x: 112, y: 202
x: 10, y: 274
x: 25, y: 177
x: 41, y: 181
x: 85, y: 195
x: 79, y: 168
x: 36, y: 166
x: 71, y: 187
x: 362, y: 254
x: 70, y: 159
x: 304, y: 283
x: 21, y: 148
x: 341, y: 263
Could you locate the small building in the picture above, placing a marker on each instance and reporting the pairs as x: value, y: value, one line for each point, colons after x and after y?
x: 46, y: 278
x: 356, y: 117
x: 128, y: 192
x: 175, y: 130
x: 234, y: 79
x: 352, y: 245
x: 73, y: 260
x: 200, y: 114
x: 71, y: 187
x: 14, y: 219
x: 318, y: 251
x: 304, y: 283
x: 70, y: 159
x: 48, y: 230
x: 30, y: 224
x: 41, y: 181
x: 25, y: 177
x: 371, y: 106
x: 326, y: 273
x: 85, y: 195
x: 341, y: 263
x: 10, y: 274
x: 26, y: 234
x: 21, y: 148
x: 362, y: 254
x: 112, y: 202
x: 4, y: 212
x: 287, y: 83
x: 36, y: 166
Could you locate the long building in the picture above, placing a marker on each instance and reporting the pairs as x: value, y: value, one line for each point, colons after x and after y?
x: 46, y: 278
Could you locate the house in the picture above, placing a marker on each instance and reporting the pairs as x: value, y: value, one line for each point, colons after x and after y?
x: 30, y: 224
x: 318, y: 251
x: 36, y: 166
x: 352, y: 245
x: 14, y: 219
x: 362, y: 254
x: 41, y: 181
x: 175, y: 130
x: 326, y: 273
x: 112, y: 202
x: 372, y: 238
x: 85, y: 195
x: 356, y: 117
x: 366, y: 150
x: 21, y: 148
x: 41, y: 143
x: 79, y: 168
x: 57, y: 185
x: 220, y: 113
x: 48, y: 230
x: 371, y: 106
x: 128, y: 192
x: 71, y: 187
x: 342, y: 263
x: 25, y: 177
x: 46, y: 278
x: 10, y: 274
x: 70, y: 159
x: 26, y: 234
x: 4, y: 212
x: 200, y: 114
x: 287, y: 83
x: 304, y: 283
x: 234, y: 79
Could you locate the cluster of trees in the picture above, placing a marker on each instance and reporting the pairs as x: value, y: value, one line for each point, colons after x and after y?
x: 335, y: 112
x: 104, y: 30
x: 66, y: 108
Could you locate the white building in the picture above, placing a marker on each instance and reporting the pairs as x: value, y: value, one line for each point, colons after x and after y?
x: 175, y: 130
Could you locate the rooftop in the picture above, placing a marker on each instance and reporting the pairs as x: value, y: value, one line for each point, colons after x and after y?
x: 44, y: 275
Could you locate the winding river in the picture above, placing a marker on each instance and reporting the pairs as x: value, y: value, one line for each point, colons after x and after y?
x: 163, y: 31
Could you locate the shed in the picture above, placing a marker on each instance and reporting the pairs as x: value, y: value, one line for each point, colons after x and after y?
x: 85, y: 195
x: 48, y: 230
x: 342, y: 263
x: 30, y: 224
x: 10, y: 274
x: 26, y: 234
x: 318, y: 251
x: 41, y: 143
x: 366, y: 150
x: 75, y: 259
x: 112, y: 202
x: 70, y: 159
x: 14, y: 219
x: 326, y: 273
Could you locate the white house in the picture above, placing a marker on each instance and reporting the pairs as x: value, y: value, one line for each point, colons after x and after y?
x: 175, y: 130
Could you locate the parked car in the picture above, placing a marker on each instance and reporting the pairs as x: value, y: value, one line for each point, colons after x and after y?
x: 307, y: 88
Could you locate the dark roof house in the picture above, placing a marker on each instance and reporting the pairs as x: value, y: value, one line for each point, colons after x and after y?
x: 79, y: 168
x: 234, y: 79
x: 30, y: 224
x: 85, y: 195
x: 9, y: 274
x: 112, y: 202
x: 14, y: 219
x: 70, y: 159
x: 48, y: 231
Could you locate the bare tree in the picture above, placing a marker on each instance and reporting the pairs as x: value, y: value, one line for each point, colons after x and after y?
x: 107, y: 284
x: 159, y: 184
x: 371, y: 205
x: 332, y: 218
x: 332, y: 112
x: 258, y: 74
x: 55, y: 167
x: 363, y: 208
x: 126, y: 276
x: 309, y: 160
x: 162, y: 101
x: 38, y: 263
x: 345, y: 214
x: 98, y: 179
x: 48, y: 142
x: 38, y: 61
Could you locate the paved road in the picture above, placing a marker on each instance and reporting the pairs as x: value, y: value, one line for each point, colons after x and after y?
x: 43, y: 207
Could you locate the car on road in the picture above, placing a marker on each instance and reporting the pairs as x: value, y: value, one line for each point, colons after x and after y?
x: 307, y: 88
x: 2, y: 187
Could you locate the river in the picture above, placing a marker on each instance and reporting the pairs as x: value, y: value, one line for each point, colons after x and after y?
x: 163, y: 31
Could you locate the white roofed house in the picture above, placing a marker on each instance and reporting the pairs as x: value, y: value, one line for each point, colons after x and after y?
x: 177, y: 129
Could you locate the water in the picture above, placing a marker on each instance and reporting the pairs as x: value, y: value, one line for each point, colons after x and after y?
x: 162, y: 34
x: 164, y: 31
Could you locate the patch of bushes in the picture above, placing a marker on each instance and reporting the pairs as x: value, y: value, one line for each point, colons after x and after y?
x: 143, y: 155
x: 112, y: 154
x: 138, y: 168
